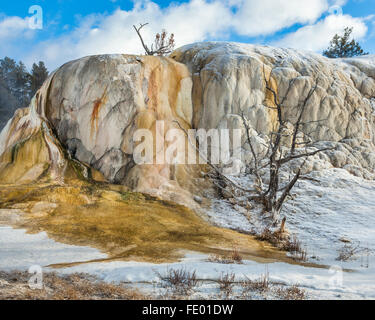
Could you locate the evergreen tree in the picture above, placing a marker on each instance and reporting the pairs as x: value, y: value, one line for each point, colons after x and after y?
x: 8, y: 102
x: 16, y: 80
x: 22, y: 84
x: 18, y: 86
x: 343, y: 47
x: 7, y: 73
x: 39, y: 74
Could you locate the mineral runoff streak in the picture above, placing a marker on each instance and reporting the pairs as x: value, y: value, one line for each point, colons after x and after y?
x: 190, y: 309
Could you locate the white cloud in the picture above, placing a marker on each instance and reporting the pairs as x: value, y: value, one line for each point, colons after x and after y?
x: 192, y: 21
x: 11, y: 27
x: 316, y: 37
x: 263, y: 17
x: 195, y: 20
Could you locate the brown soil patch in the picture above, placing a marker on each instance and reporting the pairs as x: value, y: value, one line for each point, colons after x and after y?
x: 125, y: 225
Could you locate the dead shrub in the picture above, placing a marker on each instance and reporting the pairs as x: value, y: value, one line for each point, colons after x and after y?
x: 349, y: 251
x: 289, y: 244
x: 178, y: 281
x: 262, y: 284
x: 69, y: 287
x: 234, y: 257
x: 267, y: 235
x: 294, y: 246
x: 291, y: 293
x: 226, y: 284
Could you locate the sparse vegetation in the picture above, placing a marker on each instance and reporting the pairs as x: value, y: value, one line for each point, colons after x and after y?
x: 233, y: 257
x: 351, y: 251
x: 291, y: 293
x: 14, y: 286
x: 179, y: 281
x: 179, y: 284
x: 162, y: 45
x: 290, y: 243
x: 226, y: 284
x: 294, y: 246
x: 259, y: 285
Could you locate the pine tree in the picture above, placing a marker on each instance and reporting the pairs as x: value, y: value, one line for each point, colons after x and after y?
x: 22, y: 84
x: 8, y: 79
x: 18, y: 86
x: 7, y: 73
x: 342, y: 47
x: 16, y: 80
x: 39, y: 74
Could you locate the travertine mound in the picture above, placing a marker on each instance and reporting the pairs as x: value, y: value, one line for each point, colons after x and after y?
x: 85, y: 114
x: 228, y: 78
x: 91, y: 108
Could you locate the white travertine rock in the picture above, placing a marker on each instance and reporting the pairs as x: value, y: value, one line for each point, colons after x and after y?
x: 91, y: 107
x: 228, y: 78
x: 95, y: 104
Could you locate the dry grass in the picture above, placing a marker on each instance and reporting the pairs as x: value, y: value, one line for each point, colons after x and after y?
x: 268, y: 235
x: 349, y: 251
x: 179, y: 282
x: 259, y: 285
x: 291, y: 293
x: 14, y: 286
x: 289, y: 244
x: 226, y: 284
x: 234, y: 257
x: 294, y: 246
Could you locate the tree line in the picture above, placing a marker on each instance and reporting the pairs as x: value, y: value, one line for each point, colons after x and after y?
x: 18, y: 86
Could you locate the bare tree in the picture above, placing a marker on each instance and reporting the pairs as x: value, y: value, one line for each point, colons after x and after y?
x: 162, y: 45
x: 273, y: 196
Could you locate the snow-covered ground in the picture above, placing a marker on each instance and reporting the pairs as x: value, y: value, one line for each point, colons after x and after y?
x: 20, y: 251
x: 340, y: 207
x: 326, y: 215
x: 331, y: 211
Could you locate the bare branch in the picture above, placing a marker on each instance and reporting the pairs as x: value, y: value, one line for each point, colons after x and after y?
x: 297, y: 125
x: 216, y: 169
x: 138, y: 30
x: 162, y: 44
x: 307, y: 154
x: 289, y: 187
x: 256, y: 171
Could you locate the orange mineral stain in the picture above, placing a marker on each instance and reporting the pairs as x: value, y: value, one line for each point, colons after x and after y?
x: 98, y: 103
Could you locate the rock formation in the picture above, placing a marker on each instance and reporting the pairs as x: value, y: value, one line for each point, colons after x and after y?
x: 88, y: 110
x: 229, y: 78
x: 82, y: 121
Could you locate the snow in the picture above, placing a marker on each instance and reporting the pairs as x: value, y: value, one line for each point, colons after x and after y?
x: 318, y: 282
x: 367, y: 59
x: 232, y: 48
x: 339, y: 206
x: 19, y: 250
x: 322, y: 214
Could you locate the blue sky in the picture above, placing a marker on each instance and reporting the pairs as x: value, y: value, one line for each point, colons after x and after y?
x: 72, y: 28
